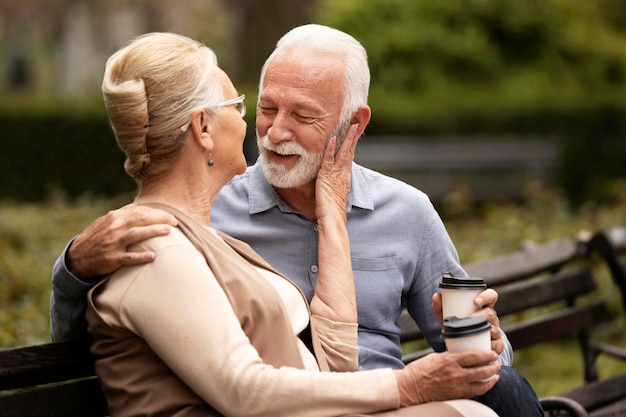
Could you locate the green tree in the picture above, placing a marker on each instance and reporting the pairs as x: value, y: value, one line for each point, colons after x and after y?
x: 442, y: 55
x: 545, y: 67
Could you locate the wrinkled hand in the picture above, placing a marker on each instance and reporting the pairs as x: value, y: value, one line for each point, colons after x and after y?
x: 334, y: 297
x: 102, y: 247
x: 447, y: 376
x: 333, y: 179
x: 486, y: 301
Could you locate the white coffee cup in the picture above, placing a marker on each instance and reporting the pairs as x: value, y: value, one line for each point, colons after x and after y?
x: 458, y: 294
x: 466, y: 333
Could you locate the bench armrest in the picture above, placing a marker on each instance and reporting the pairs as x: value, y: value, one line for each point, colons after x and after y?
x: 611, y: 350
x: 552, y: 406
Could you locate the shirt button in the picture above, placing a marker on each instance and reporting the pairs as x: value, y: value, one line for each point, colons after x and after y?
x: 315, y: 227
x: 314, y: 268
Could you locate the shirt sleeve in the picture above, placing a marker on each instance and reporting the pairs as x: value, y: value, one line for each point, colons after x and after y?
x: 506, y: 357
x: 68, y: 302
x: 339, y: 342
x: 437, y: 256
x: 180, y: 310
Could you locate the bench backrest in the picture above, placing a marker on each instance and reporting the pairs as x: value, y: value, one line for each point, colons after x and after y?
x: 51, y: 379
x: 610, y: 244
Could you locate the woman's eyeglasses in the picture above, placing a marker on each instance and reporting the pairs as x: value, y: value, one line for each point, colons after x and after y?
x: 239, y: 103
x: 240, y: 106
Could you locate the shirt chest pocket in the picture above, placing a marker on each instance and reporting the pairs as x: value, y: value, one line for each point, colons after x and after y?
x: 379, y: 284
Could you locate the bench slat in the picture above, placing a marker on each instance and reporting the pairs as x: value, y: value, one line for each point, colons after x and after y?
x: 598, y: 394
x: 51, y: 362
x: 614, y: 409
x: 561, y: 286
x: 561, y: 323
x: 527, y: 261
x: 78, y: 398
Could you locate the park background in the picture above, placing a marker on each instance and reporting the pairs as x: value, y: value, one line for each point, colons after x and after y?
x: 549, y: 72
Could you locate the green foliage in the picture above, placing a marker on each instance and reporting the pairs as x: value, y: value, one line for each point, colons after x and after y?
x: 31, y: 238
x: 523, y: 51
x: 73, y: 153
x: 593, y: 156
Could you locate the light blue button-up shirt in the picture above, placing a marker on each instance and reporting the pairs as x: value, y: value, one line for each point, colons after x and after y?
x: 399, y: 248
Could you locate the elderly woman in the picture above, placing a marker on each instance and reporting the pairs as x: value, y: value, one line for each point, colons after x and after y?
x: 209, y: 328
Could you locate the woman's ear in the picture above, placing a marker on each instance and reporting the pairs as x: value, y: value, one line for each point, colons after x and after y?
x: 200, y: 127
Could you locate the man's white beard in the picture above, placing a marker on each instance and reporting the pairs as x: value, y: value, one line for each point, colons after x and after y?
x: 280, y: 176
x: 307, y: 166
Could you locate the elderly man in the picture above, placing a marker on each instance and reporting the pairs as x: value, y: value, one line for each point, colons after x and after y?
x: 313, y: 86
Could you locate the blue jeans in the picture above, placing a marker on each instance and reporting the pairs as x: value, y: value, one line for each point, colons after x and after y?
x: 512, y: 396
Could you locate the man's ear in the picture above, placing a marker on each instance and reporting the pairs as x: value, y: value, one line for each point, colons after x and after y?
x: 361, y: 117
x: 200, y: 127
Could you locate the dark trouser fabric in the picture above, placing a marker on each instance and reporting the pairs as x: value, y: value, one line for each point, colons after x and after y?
x: 512, y: 396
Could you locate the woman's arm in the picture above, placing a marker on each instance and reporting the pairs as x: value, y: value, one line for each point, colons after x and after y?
x: 333, y: 306
x: 335, y: 297
x: 181, y: 311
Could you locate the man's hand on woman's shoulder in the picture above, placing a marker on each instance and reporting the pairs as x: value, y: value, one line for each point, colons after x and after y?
x: 102, y: 247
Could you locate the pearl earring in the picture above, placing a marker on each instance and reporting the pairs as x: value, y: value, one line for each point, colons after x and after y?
x: 210, y: 162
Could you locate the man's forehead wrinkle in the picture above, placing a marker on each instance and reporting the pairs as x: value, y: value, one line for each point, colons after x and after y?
x: 300, y: 74
x: 309, y: 63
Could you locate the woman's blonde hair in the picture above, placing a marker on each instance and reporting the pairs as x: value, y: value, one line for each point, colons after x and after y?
x: 151, y: 87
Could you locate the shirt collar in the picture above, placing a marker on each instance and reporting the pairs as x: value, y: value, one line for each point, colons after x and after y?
x: 262, y: 195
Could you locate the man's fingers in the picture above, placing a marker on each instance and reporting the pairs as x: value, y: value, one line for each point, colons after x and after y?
x: 496, y: 333
x: 436, y: 307
x: 348, y: 146
x: 137, y: 215
x: 487, y: 298
x: 103, y: 246
x: 486, y: 384
x: 135, y: 258
x: 139, y: 234
x: 329, y: 154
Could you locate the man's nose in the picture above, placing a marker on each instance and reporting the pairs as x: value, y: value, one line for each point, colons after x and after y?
x: 281, y: 128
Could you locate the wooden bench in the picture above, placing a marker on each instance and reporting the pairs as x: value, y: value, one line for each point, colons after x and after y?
x: 57, y: 379
x: 54, y: 379
x: 544, y: 295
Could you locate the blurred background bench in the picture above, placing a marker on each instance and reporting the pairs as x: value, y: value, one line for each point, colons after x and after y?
x: 487, y: 168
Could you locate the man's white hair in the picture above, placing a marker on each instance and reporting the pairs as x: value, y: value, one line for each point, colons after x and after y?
x: 318, y: 38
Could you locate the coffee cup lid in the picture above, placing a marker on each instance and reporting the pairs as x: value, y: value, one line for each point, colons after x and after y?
x: 461, y: 283
x: 466, y: 326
